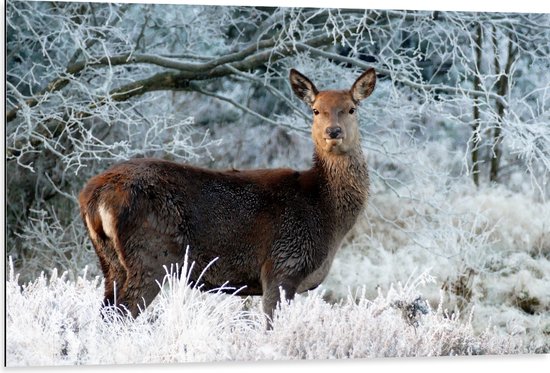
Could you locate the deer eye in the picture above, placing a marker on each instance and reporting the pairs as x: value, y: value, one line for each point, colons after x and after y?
x: 352, y: 110
x: 315, y: 111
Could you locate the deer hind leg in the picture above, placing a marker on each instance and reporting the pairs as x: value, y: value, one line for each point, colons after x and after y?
x: 147, y: 254
x: 113, y: 268
x: 115, y: 274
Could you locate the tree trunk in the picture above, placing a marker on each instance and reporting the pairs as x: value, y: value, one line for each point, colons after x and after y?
x: 502, y: 90
x: 475, y: 124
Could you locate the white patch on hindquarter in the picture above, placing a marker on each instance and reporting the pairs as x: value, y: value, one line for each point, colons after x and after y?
x: 107, y: 221
x: 93, y: 233
x: 109, y: 227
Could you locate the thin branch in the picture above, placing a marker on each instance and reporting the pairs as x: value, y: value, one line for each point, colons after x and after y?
x: 72, y: 68
x: 195, y: 88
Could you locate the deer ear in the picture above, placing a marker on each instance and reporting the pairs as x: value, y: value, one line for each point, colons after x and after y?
x: 303, y: 87
x: 364, y: 85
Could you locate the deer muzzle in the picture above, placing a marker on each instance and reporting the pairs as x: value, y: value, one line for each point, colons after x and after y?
x: 333, y: 135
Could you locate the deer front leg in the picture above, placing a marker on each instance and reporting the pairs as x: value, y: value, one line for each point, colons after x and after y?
x: 272, y: 283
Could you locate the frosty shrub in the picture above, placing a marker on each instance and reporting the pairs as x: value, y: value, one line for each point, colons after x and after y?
x: 56, y: 321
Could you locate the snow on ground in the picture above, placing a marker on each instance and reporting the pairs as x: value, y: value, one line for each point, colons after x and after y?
x: 489, y: 252
x: 57, y: 322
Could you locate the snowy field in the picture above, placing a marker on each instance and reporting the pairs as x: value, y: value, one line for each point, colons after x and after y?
x: 56, y: 322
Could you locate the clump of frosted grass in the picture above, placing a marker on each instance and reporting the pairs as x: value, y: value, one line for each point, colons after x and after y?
x: 56, y: 321
x: 487, y: 248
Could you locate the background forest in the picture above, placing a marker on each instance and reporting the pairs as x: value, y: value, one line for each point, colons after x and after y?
x: 457, y: 134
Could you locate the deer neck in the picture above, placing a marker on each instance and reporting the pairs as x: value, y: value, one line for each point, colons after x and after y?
x: 344, y: 182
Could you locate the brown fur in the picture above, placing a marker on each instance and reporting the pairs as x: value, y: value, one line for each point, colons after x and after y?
x: 266, y: 228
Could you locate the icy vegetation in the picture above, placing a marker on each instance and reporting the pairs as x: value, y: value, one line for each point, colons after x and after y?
x: 55, y: 321
x: 451, y: 257
x: 489, y: 256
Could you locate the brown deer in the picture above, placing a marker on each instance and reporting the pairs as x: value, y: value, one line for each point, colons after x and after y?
x: 268, y: 229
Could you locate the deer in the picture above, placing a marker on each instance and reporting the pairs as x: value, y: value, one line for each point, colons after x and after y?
x: 269, y: 232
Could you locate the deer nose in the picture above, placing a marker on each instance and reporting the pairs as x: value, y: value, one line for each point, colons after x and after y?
x: 334, y: 132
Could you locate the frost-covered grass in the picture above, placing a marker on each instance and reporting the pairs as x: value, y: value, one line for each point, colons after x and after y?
x: 488, y: 250
x: 55, y: 321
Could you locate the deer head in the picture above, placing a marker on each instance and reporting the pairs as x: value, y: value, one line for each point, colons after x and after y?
x: 335, y: 127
